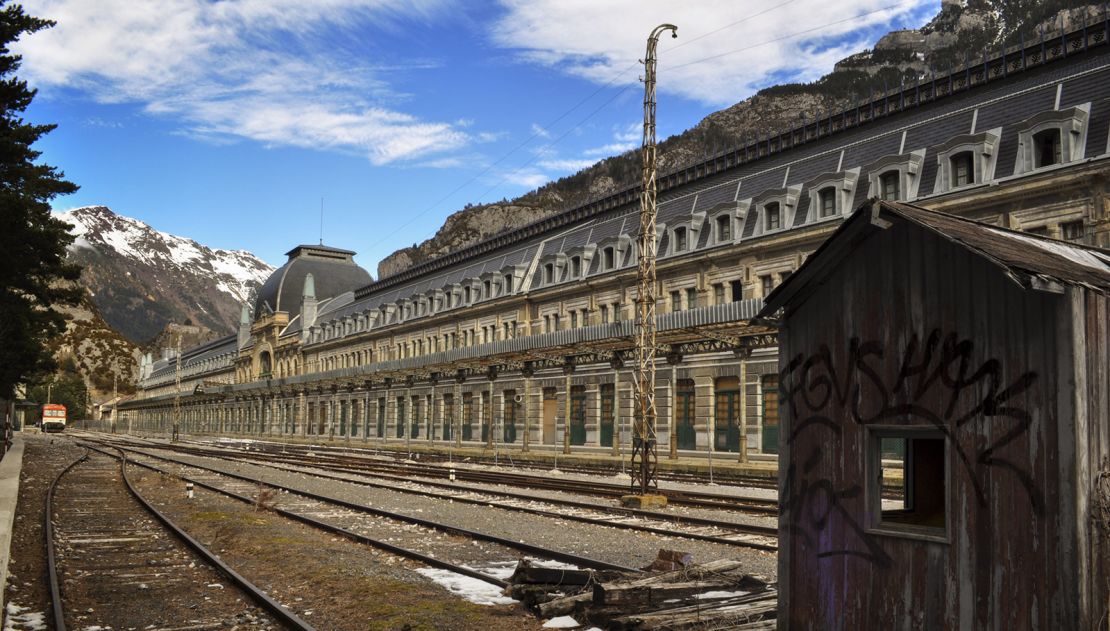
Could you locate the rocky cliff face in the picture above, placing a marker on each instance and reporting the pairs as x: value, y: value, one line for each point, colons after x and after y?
x: 141, y: 279
x: 961, y: 31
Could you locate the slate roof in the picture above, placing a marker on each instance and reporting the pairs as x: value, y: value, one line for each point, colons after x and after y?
x: 1030, y: 260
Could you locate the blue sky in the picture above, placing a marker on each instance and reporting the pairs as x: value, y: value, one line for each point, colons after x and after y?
x: 227, y: 122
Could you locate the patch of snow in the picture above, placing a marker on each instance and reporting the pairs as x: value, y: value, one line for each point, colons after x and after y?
x: 472, y: 589
x: 718, y: 594
x: 22, y: 618
x: 562, y: 622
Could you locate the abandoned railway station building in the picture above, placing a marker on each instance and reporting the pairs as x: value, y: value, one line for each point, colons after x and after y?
x: 525, y: 339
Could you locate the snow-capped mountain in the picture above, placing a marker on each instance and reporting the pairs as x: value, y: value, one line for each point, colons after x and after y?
x: 142, y: 279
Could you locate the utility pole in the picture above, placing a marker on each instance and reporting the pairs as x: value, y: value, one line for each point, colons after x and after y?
x: 644, y: 457
x: 177, y: 392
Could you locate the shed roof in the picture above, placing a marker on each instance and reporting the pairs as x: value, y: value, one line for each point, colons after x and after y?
x: 1031, y: 261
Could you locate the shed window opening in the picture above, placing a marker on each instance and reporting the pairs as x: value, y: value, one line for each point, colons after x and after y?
x: 1046, y: 148
x: 962, y: 171
x: 910, y: 482
x: 827, y: 199
x: 889, y: 186
x: 772, y: 216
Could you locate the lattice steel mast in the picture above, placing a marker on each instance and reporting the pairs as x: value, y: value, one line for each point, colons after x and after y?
x: 644, y: 457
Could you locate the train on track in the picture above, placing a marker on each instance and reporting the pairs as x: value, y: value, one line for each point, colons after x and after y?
x: 53, y: 417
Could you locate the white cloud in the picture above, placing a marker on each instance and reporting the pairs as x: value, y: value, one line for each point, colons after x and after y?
x: 602, y: 41
x: 272, y: 71
x: 539, y: 131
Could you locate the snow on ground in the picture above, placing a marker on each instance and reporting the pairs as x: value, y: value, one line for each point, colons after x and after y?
x: 472, y: 589
x: 21, y: 618
x: 562, y: 622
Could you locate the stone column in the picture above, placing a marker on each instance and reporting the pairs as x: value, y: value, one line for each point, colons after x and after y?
x: 527, y: 409
x: 458, y: 413
x: 743, y: 410
x: 566, y: 414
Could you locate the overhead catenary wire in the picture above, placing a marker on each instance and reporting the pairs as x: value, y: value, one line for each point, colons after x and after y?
x: 543, y: 129
x: 614, y: 79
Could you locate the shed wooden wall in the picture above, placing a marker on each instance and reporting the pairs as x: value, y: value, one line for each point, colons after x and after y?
x: 914, y: 330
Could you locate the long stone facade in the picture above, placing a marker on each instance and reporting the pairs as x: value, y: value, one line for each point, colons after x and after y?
x: 525, y: 340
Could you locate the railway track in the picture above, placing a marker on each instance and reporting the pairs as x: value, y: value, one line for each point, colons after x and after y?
x: 425, y: 540
x: 114, y: 561
x: 724, y: 476
x: 369, y: 464
x: 661, y: 523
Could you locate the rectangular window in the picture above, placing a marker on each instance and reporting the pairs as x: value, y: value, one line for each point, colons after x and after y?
x: 907, y: 466
x: 616, y: 311
x: 676, y: 301
x: 719, y: 294
x: 1072, y: 230
x: 610, y: 259
x: 1046, y: 145
x: 573, y: 319
x: 604, y: 314
x: 691, y: 298
x: 737, y: 288
x: 768, y: 283
x: 724, y: 228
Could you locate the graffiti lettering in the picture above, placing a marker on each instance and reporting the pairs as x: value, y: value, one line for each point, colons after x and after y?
x: 936, y: 382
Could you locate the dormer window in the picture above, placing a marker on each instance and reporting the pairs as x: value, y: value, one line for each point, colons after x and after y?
x: 1052, y: 137
x: 508, y: 283
x: 1046, y: 148
x: 548, y: 273
x: 488, y: 288
x: 890, y: 186
x: 724, y: 228
x: 962, y: 169
x: 466, y: 295
x: 610, y: 258
x: 772, y: 216
x: 680, y: 239
x: 575, y: 267
x: 826, y: 202
x: 966, y: 160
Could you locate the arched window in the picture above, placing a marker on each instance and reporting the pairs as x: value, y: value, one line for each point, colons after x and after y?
x: 680, y: 239
x: 962, y: 169
x: 724, y: 228
x: 772, y: 216
x: 1046, y: 148
x: 826, y: 198
x: 265, y: 365
x: 889, y: 185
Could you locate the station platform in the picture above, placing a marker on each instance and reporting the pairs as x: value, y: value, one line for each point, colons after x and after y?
x: 11, y: 466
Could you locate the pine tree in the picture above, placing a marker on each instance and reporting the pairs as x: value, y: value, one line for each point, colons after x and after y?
x: 35, y: 275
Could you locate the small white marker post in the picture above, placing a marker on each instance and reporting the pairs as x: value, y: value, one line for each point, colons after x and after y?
x: 189, y: 490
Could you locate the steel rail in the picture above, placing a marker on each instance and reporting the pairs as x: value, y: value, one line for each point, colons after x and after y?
x: 766, y: 531
x: 51, y: 557
x: 261, y: 597
x: 539, y: 551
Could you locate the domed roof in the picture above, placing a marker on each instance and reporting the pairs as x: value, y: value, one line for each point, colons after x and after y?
x: 333, y: 272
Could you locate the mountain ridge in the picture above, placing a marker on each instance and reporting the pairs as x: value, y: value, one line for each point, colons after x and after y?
x: 898, y: 57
